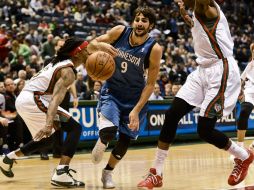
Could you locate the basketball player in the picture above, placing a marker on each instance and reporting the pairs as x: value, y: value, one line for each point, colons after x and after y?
x: 38, y: 105
x: 246, y: 98
x: 124, y: 96
x: 214, y: 87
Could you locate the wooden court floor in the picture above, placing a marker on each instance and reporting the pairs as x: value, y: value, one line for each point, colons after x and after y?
x: 188, y: 167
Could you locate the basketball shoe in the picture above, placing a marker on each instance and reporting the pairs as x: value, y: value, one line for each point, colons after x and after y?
x: 97, y: 152
x: 6, y: 166
x: 63, y: 178
x: 107, y: 180
x: 251, y: 147
x: 240, y: 169
x: 152, y: 180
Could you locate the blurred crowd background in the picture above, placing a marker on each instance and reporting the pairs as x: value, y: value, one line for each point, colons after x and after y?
x: 31, y: 29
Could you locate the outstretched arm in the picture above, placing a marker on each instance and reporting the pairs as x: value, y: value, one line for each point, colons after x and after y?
x: 103, y: 42
x: 66, y: 78
x: 153, y: 70
x: 187, y: 19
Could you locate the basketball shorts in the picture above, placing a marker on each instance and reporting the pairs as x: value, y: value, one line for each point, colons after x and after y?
x: 213, y: 89
x: 33, y: 108
x: 111, y: 112
x: 249, y: 92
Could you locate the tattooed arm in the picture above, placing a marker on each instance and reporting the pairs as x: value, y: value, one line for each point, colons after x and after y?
x: 66, y: 78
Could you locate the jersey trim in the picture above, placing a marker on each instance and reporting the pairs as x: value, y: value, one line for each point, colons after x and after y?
x: 212, y: 36
x: 146, y: 60
x: 216, y: 106
x: 44, y: 109
x: 123, y: 32
x: 53, y: 79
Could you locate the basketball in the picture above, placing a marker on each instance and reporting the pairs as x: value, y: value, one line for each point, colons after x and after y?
x: 100, y: 66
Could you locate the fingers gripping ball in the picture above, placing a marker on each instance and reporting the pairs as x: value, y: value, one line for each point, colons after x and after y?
x: 100, y: 66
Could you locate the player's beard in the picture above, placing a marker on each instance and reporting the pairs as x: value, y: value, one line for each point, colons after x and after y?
x: 143, y: 33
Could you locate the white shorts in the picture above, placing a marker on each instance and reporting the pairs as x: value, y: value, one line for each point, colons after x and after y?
x: 213, y: 89
x: 32, y: 108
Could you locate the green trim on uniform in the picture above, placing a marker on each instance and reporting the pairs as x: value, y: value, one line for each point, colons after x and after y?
x: 216, y: 106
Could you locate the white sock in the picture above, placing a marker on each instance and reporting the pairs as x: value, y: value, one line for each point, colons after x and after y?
x: 61, y: 167
x: 241, y: 144
x: 238, y: 151
x: 12, y: 155
x: 160, y: 157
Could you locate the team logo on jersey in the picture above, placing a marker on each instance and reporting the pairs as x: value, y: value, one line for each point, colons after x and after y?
x: 217, y: 107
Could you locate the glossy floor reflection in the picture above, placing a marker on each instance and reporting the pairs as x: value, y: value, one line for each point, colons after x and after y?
x: 189, y: 167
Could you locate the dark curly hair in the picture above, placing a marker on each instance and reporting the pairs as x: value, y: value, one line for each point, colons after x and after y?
x: 147, y: 12
x: 64, y: 52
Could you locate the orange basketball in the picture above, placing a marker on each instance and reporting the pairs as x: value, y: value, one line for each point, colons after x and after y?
x: 100, y: 65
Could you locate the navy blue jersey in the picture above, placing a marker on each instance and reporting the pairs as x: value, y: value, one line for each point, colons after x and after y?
x: 128, y: 81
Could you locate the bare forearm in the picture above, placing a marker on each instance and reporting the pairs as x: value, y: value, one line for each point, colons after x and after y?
x: 51, y: 113
x: 73, y: 90
x: 187, y: 19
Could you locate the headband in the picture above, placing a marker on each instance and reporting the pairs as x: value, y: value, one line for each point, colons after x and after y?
x: 79, y: 48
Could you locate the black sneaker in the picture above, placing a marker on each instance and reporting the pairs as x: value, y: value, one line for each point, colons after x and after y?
x: 6, y: 165
x: 63, y: 178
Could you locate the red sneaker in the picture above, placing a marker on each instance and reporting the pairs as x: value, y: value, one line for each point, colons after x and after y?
x: 240, y: 169
x: 152, y: 180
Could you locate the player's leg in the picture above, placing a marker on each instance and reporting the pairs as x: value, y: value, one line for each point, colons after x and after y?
x: 62, y: 176
x: 117, y: 154
x: 242, y: 123
x: 220, y: 101
x: 108, y: 119
x: 189, y: 96
x: 6, y: 162
x: 35, y: 120
x: 123, y: 142
x: 177, y: 110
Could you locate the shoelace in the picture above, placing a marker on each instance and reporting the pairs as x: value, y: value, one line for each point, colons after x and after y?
x: 237, y: 168
x: 69, y: 174
x: 14, y: 161
x: 151, y: 178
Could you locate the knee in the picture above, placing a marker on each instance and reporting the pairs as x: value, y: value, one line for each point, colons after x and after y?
x: 242, y: 122
x: 246, y: 109
x: 107, y: 134
x: 121, y: 147
x: 205, y: 127
x: 72, y: 126
x: 202, y: 132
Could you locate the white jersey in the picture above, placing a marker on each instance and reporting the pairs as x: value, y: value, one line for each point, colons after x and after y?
x: 43, y: 82
x: 33, y: 101
x: 214, y: 44
x: 248, y: 77
x: 248, y: 72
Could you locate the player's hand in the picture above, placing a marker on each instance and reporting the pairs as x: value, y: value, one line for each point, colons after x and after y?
x: 102, y: 46
x: 75, y: 102
x: 43, y: 133
x: 4, y: 121
x: 241, y: 97
x: 180, y: 3
x: 134, y: 120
